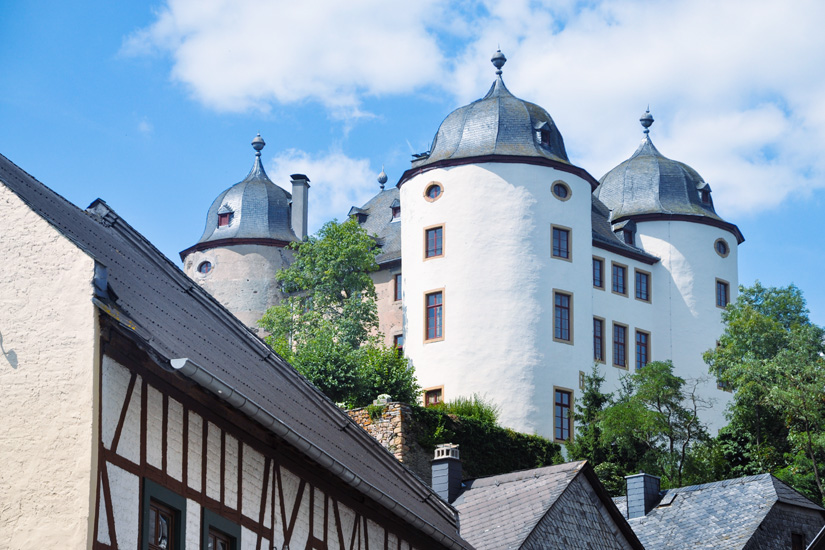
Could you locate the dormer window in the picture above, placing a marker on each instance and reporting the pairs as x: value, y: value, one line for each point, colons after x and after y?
x: 627, y: 236
x: 396, y: 212
x: 225, y: 219
x: 543, y: 133
x: 705, y: 196
x: 545, y: 137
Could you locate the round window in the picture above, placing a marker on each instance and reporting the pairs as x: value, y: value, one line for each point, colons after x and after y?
x: 561, y: 191
x: 721, y: 247
x: 433, y: 191
x: 205, y: 267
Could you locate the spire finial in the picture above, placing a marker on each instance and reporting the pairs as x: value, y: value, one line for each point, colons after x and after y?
x: 646, y: 120
x: 382, y: 178
x: 498, y: 60
x: 258, y: 144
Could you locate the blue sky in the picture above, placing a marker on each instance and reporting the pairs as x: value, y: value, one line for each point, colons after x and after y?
x: 151, y: 106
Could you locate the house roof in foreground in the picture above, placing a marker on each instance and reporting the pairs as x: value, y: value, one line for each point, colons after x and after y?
x: 722, y: 515
x: 172, y: 317
x: 502, y: 511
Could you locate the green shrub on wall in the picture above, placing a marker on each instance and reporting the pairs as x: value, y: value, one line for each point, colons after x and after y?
x: 486, y: 449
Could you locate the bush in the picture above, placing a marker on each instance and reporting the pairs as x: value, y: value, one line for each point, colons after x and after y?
x: 475, y: 407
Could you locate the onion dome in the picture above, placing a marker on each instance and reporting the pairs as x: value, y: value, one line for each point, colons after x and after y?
x: 497, y: 124
x: 255, y: 210
x: 649, y: 185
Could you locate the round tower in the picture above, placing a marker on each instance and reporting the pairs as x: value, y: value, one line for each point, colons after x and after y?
x: 248, y: 227
x: 668, y: 209
x: 496, y: 248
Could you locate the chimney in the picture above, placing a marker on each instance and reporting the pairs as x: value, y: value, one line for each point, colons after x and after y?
x: 300, y: 205
x: 642, y: 494
x: 447, y: 472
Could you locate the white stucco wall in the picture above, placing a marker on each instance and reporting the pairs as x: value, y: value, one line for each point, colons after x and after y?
x: 242, y: 277
x: 498, y: 277
x: 48, y: 432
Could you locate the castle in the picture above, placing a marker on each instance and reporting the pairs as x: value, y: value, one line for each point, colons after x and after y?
x: 506, y: 270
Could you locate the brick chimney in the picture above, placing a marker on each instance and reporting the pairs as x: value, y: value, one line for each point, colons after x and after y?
x: 642, y: 494
x: 447, y: 472
x: 300, y: 205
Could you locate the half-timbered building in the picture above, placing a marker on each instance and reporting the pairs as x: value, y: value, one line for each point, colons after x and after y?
x: 139, y: 413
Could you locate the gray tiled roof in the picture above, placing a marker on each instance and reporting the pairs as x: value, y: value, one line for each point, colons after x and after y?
x: 722, y: 515
x: 176, y: 318
x: 650, y: 183
x: 512, y: 510
x: 497, y: 124
x: 604, y: 237
x: 380, y: 224
x: 260, y: 210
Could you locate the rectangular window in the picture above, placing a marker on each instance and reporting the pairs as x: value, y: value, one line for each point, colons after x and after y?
x: 722, y: 293
x: 642, y: 286
x: 620, y: 346
x: 397, y: 280
x: 219, y: 533
x: 561, y: 243
x: 434, y: 242
x: 627, y: 236
x: 620, y: 279
x: 561, y: 322
x: 642, y: 349
x: 598, y: 273
x: 435, y: 316
x: 563, y: 420
x: 433, y: 396
x: 224, y: 219
x: 598, y: 339
x: 163, y: 526
x: 797, y: 541
x: 398, y: 342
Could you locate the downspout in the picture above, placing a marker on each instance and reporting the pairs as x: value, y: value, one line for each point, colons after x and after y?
x: 240, y: 402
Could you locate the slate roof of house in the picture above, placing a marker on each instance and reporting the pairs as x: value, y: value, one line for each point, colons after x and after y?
x: 175, y: 318
x: 502, y: 511
x: 722, y: 515
x: 380, y: 223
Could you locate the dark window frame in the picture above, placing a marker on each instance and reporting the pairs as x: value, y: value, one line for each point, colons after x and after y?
x: 562, y: 414
x: 213, y: 521
x: 618, y: 284
x: 152, y: 492
x: 642, y: 346
x: 437, y: 392
x: 437, y: 309
x: 620, y: 346
x: 562, y: 317
x: 434, y: 246
x: 599, y: 351
x: 642, y: 294
x: 598, y: 278
x: 398, y: 343
x: 225, y: 219
x: 722, y: 293
x: 562, y: 241
x: 397, y: 287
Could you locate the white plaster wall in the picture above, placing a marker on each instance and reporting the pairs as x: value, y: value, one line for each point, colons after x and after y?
x: 195, y: 459
x: 231, y: 473
x: 498, y: 278
x: 174, y: 440
x: 691, y: 266
x: 193, y: 524
x: 242, y: 277
x: 154, y: 427
x: 213, y: 461
x: 253, y: 479
x: 125, y: 489
x: 48, y: 372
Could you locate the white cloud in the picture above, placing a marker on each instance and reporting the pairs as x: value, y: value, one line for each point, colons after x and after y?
x: 145, y: 127
x: 736, y: 87
x: 337, y: 182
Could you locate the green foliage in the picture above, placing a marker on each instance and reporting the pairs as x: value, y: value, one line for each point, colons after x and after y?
x: 486, y: 449
x: 475, y: 407
x: 375, y: 412
x: 326, y: 326
x: 588, y: 443
x: 770, y: 354
x: 654, y: 423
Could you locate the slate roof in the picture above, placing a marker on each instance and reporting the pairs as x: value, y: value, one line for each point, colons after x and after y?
x: 722, y: 515
x: 604, y: 237
x: 260, y: 210
x: 502, y: 511
x: 176, y: 318
x: 380, y: 223
x: 497, y: 124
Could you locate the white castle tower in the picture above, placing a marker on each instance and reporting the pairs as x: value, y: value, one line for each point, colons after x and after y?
x: 517, y: 277
x: 243, y: 244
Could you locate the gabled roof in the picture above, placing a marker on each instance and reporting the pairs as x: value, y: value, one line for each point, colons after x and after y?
x: 175, y: 318
x: 380, y: 224
x: 502, y: 511
x: 722, y: 515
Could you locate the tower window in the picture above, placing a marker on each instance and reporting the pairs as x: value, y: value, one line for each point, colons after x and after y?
x: 434, y: 242
x: 705, y: 196
x: 598, y: 340
x: 620, y: 346
x: 396, y: 212
x: 561, y: 191
x: 398, y: 342
x: 204, y: 267
x: 563, y: 421
x: 544, y: 135
x: 432, y: 192
x: 642, y: 349
x: 562, y: 330
x: 433, y: 396
x: 561, y: 243
x: 225, y: 219
x: 722, y: 293
x: 598, y: 273
x: 721, y: 247
x: 434, y: 329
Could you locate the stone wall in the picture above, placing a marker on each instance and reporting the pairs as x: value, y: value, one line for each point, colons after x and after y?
x: 394, y: 430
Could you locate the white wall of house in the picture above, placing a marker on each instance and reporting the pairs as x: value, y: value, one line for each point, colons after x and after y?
x: 48, y: 374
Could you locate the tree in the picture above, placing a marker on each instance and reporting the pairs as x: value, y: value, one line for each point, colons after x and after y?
x: 327, y: 325
x: 659, y: 411
x: 588, y: 443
